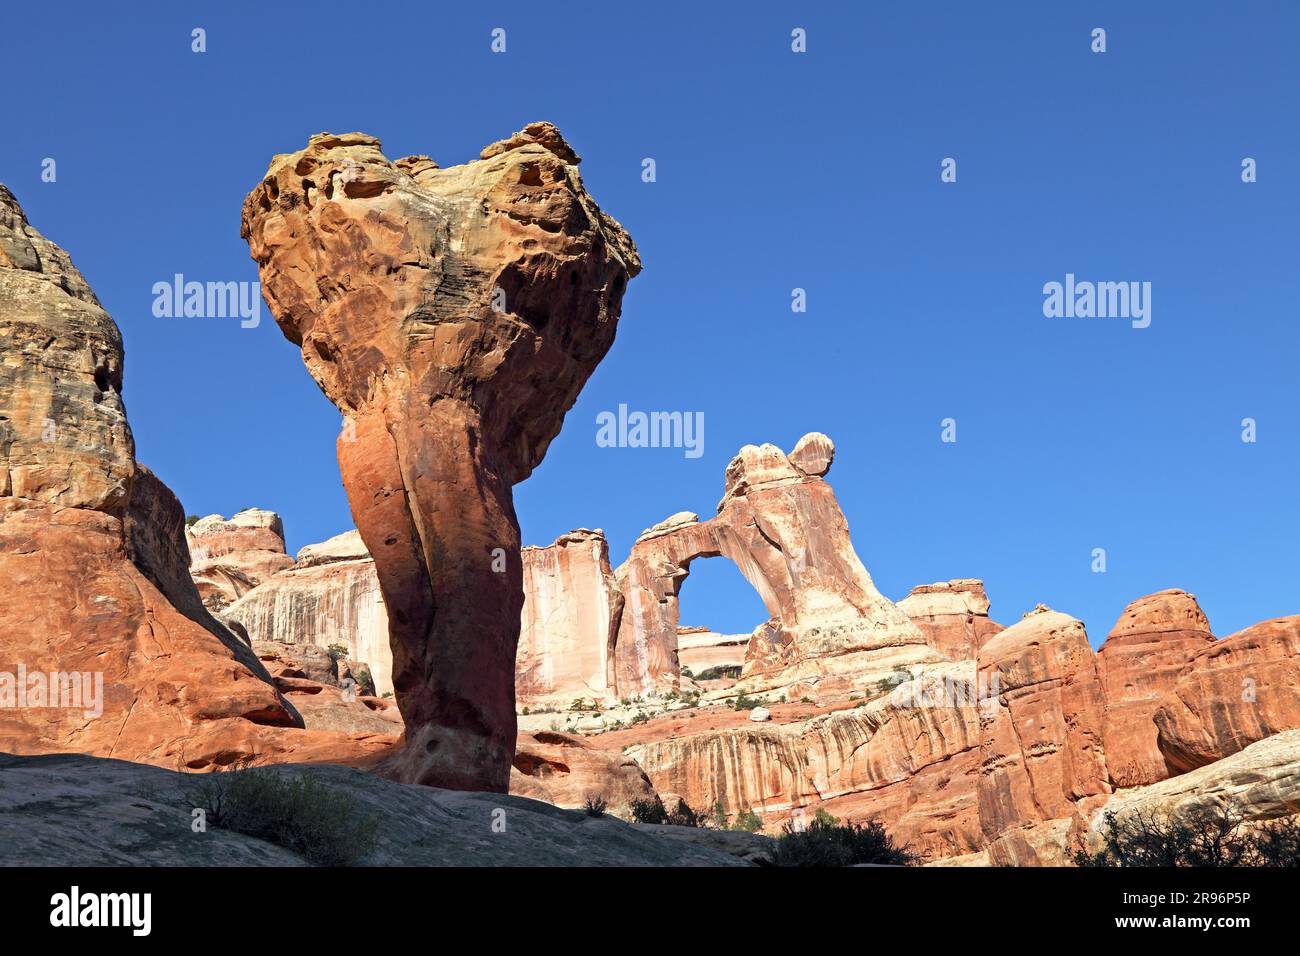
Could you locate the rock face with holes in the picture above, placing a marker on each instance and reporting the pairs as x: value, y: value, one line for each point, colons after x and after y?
x: 329, y: 596
x: 94, y: 545
x: 566, y: 771
x: 780, y: 523
x: 452, y: 315
x: 1232, y: 693
x: 1153, y: 640
x: 230, y: 558
x: 953, y: 616
x: 571, y: 611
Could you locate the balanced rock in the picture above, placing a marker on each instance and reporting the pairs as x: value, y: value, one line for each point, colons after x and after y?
x: 452, y: 315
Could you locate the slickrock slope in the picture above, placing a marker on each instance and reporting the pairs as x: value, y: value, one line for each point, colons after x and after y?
x: 571, y: 611
x: 73, y: 810
x: 1043, y: 750
x: 1232, y: 693
x: 452, y: 315
x: 230, y: 558
x: 91, y: 546
x: 1152, y: 641
x: 330, y: 596
x: 780, y: 523
x: 953, y: 616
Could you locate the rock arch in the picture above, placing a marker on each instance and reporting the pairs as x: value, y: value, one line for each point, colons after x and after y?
x: 780, y: 523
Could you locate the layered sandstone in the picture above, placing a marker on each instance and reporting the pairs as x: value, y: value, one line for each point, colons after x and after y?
x: 700, y: 650
x: 780, y: 523
x: 1151, y: 643
x: 570, y: 616
x: 1232, y: 693
x: 1041, y: 735
x: 953, y: 616
x: 567, y: 772
x: 330, y: 596
x: 92, y: 546
x: 228, y: 558
x: 452, y: 315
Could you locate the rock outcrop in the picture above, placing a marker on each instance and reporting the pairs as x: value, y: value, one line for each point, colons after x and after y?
x: 452, y: 315
x: 1232, y: 693
x: 700, y: 650
x: 1151, y: 643
x: 780, y: 523
x: 571, y: 611
x: 330, y: 596
x: 953, y: 616
x: 566, y: 771
x: 230, y: 558
x: 1041, y: 735
x: 93, y: 545
x: 1261, y: 782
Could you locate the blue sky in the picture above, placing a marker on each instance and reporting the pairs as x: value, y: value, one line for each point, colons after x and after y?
x: 775, y: 170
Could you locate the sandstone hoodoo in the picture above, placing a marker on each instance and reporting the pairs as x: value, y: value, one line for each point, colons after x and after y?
x: 230, y: 558
x: 452, y: 315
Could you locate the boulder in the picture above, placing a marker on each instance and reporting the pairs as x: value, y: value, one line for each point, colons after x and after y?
x: 452, y: 315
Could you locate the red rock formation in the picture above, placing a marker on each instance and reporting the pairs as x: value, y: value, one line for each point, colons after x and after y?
x: 93, y: 545
x: 571, y: 610
x: 1152, y: 641
x: 783, y: 528
x: 1042, y: 741
x: 453, y: 315
x: 1232, y: 693
x: 566, y: 771
x: 330, y: 596
x: 953, y: 616
x: 230, y: 558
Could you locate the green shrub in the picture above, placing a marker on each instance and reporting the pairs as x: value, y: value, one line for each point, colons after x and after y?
x: 847, y: 844
x: 337, y: 651
x: 822, y: 816
x: 321, y: 823
x: 747, y: 820
x: 1214, y: 837
x: 191, y: 520
x: 745, y: 702
x: 365, y: 682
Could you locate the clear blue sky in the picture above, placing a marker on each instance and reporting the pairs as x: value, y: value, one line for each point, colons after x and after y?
x: 775, y: 171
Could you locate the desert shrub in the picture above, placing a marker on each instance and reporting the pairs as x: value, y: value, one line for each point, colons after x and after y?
x: 1214, y: 836
x: 305, y: 815
x: 365, y: 682
x: 745, y: 702
x: 747, y: 820
x: 654, y: 811
x: 596, y: 806
x: 831, y: 844
x: 640, y: 717
x: 337, y: 651
x: 722, y: 672
x: 686, y: 672
x: 824, y: 816
x: 191, y: 520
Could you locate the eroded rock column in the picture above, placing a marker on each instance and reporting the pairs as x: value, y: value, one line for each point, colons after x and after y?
x: 452, y: 315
